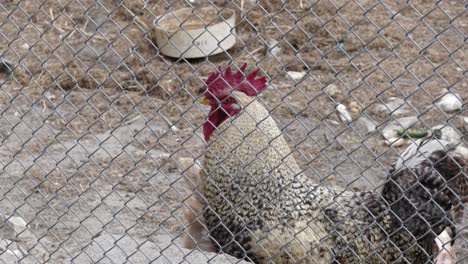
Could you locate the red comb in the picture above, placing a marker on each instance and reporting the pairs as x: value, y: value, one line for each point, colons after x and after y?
x: 221, y: 84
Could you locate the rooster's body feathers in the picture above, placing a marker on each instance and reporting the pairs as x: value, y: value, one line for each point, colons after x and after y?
x: 259, y: 206
x: 253, y: 183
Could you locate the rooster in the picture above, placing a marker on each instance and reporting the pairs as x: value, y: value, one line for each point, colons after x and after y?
x: 259, y: 206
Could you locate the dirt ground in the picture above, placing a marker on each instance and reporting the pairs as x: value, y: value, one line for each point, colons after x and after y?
x: 93, y: 117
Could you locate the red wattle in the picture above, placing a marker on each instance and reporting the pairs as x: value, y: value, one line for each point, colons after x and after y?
x: 217, y: 115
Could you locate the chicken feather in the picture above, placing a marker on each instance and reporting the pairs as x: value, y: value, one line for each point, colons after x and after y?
x: 259, y: 206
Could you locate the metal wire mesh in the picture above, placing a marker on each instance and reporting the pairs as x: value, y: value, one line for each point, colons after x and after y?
x: 100, y: 130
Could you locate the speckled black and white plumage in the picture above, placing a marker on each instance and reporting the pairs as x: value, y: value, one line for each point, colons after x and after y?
x: 260, y: 207
x: 253, y: 187
x: 421, y: 149
x: 421, y: 198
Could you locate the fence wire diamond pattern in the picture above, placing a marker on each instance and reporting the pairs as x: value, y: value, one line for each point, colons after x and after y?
x: 105, y: 157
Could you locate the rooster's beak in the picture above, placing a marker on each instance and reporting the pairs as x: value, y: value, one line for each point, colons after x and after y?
x: 205, y: 101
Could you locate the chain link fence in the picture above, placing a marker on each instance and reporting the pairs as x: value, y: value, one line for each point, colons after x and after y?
x: 99, y: 129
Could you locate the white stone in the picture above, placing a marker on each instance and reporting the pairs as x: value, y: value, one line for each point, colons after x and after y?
x: 10, y: 251
x: 296, y: 75
x: 25, y: 46
x: 274, y: 48
x: 333, y: 122
x: 450, y: 102
x: 18, y: 224
x: 50, y: 96
x: 394, y: 106
x: 365, y: 126
x: 462, y: 151
x: 395, y: 142
x: 449, y: 134
x: 332, y: 90
x: 343, y: 114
